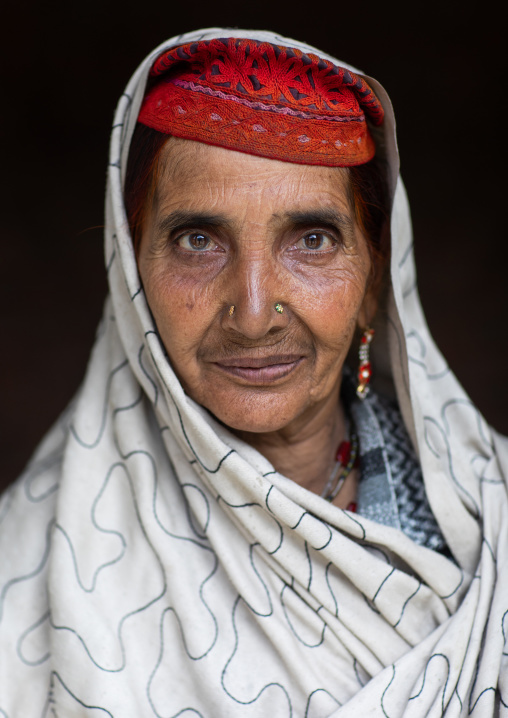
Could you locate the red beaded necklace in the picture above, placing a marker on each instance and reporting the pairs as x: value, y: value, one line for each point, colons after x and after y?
x: 345, y: 460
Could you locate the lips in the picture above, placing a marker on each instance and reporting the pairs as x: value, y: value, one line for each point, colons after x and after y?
x: 260, y: 370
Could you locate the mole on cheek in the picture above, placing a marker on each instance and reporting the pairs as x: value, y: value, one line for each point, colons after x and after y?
x: 190, y: 306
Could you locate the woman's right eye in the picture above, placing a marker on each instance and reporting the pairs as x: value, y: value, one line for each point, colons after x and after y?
x: 195, y: 242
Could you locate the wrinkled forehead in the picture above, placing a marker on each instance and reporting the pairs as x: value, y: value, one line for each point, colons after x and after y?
x: 195, y: 175
x: 184, y: 163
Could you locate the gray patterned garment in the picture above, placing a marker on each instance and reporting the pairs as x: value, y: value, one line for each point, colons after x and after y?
x: 391, y: 489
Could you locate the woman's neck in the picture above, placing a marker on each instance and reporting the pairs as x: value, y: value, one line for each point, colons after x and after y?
x: 305, y: 450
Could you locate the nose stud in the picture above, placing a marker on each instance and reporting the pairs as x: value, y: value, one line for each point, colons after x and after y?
x: 278, y: 308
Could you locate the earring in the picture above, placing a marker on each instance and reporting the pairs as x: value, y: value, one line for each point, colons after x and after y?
x: 279, y: 308
x: 231, y: 310
x: 365, y: 369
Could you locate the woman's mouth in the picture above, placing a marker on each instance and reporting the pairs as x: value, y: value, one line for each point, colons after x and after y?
x: 260, y: 370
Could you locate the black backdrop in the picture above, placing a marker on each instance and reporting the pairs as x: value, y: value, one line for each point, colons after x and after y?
x: 63, y: 66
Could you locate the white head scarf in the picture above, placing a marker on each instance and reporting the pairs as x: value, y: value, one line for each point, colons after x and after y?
x: 155, y: 565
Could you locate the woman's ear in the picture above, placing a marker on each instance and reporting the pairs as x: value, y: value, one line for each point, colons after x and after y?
x: 377, y: 286
x: 368, y: 308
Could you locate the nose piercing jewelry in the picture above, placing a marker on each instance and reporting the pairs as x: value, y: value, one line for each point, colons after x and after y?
x: 279, y: 308
x: 231, y: 310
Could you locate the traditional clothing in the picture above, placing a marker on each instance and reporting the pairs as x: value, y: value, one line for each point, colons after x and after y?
x: 155, y: 565
x: 263, y: 99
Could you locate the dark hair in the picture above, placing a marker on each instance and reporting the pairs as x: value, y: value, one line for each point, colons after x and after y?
x: 368, y: 194
x: 371, y: 202
x: 143, y: 171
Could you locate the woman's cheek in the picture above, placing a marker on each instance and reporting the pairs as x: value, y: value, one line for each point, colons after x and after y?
x: 182, y: 311
x: 336, y: 295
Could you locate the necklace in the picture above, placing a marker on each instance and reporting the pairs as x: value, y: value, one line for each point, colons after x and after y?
x: 345, y: 459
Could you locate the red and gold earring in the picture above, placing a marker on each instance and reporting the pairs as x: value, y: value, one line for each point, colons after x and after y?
x: 365, y: 368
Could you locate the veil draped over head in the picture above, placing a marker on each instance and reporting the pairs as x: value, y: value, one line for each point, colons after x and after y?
x: 154, y: 564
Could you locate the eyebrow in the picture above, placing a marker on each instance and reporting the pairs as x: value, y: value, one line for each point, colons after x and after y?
x: 325, y: 217
x: 182, y: 218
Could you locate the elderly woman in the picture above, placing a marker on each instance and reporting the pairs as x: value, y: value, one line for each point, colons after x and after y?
x: 227, y: 522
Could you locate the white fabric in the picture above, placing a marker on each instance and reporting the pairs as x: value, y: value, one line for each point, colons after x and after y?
x: 154, y: 565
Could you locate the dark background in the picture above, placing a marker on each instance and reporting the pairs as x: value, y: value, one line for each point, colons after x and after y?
x: 63, y: 66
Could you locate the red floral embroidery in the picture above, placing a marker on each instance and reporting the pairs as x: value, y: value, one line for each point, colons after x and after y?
x: 262, y: 99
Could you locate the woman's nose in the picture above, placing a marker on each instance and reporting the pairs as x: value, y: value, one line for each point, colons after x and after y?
x: 255, y: 302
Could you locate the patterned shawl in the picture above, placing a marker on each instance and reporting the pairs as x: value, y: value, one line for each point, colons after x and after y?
x: 152, y: 564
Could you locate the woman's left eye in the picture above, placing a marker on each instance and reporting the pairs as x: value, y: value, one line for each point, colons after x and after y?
x: 196, y: 242
x: 316, y: 241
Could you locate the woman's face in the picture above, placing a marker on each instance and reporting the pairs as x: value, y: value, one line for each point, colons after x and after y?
x: 227, y: 229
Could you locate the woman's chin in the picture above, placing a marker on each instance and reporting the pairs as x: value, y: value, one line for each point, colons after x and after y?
x: 263, y: 417
x: 254, y: 427
x: 264, y: 409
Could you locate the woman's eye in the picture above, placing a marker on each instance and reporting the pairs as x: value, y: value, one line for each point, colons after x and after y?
x: 195, y: 242
x: 315, y: 241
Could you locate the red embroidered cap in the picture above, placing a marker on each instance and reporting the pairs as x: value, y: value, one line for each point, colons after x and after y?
x: 262, y: 99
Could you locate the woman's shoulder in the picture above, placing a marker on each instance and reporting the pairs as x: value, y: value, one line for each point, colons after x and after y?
x: 27, y: 516
x: 27, y: 519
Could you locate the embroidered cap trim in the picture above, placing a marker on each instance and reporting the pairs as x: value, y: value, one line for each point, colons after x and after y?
x: 259, y: 98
